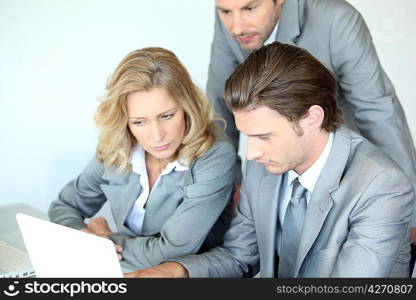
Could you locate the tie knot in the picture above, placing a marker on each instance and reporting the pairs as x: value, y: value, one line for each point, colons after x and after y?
x: 298, y: 191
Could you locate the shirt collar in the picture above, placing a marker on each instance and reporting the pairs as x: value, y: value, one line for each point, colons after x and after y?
x: 309, y: 178
x: 138, y: 163
x: 272, y: 36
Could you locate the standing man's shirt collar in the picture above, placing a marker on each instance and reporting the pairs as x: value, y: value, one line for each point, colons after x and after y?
x: 272, y: 36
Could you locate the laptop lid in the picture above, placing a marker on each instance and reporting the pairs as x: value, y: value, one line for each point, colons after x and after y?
x: 59, y: 251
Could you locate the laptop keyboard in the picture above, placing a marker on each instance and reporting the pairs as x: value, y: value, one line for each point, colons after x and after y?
x: 14, y: 262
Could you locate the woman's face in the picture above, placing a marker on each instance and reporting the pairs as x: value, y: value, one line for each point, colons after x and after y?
x: 157, y: 122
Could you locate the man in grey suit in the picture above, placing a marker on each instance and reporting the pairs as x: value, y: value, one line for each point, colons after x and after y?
x: 335, y: 33
x: 317, y: 199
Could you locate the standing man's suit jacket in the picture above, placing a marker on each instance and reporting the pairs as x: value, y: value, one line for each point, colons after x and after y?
x: 356, y: 225
x: 335, y: 33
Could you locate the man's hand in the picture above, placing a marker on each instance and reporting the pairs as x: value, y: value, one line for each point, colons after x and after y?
x: 98, y: 226
x: 165, y: 270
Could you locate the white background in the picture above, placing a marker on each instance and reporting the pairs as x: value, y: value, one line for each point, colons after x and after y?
x: 56, y: 55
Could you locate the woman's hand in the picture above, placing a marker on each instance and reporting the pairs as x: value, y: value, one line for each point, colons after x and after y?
x: 98, y: 226
x: 119, y: 251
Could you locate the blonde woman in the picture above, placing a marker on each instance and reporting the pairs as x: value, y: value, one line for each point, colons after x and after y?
x: 160, y: 163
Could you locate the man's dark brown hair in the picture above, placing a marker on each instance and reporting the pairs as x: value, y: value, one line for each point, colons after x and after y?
x: 286, y: 79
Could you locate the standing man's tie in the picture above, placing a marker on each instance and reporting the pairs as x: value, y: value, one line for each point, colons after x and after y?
x: 292, y: 230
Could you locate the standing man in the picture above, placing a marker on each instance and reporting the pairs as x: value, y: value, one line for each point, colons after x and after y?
x: 335, y: 33
x: 317, y: 199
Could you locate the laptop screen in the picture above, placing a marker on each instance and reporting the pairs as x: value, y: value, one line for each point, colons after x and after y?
x: 59, y: 251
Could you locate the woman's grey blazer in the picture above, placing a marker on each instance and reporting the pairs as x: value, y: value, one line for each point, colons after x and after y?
x: 180, y: 212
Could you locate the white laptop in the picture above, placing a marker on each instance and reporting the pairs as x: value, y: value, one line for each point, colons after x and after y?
x: 59, y: 251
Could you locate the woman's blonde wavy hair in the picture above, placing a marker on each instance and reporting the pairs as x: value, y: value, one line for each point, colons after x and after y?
x: 143, y: 70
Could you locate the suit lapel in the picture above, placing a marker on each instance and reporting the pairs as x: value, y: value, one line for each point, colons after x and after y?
x: 268, y: 210
x: 164, y: 200
x: 321, y: 201
x: 122, y: 195
x: 289, y: 22
x: 318, y: 209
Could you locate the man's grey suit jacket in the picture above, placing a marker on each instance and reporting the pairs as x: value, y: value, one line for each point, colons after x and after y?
x: 357, y: 221
x: 335, y: 33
